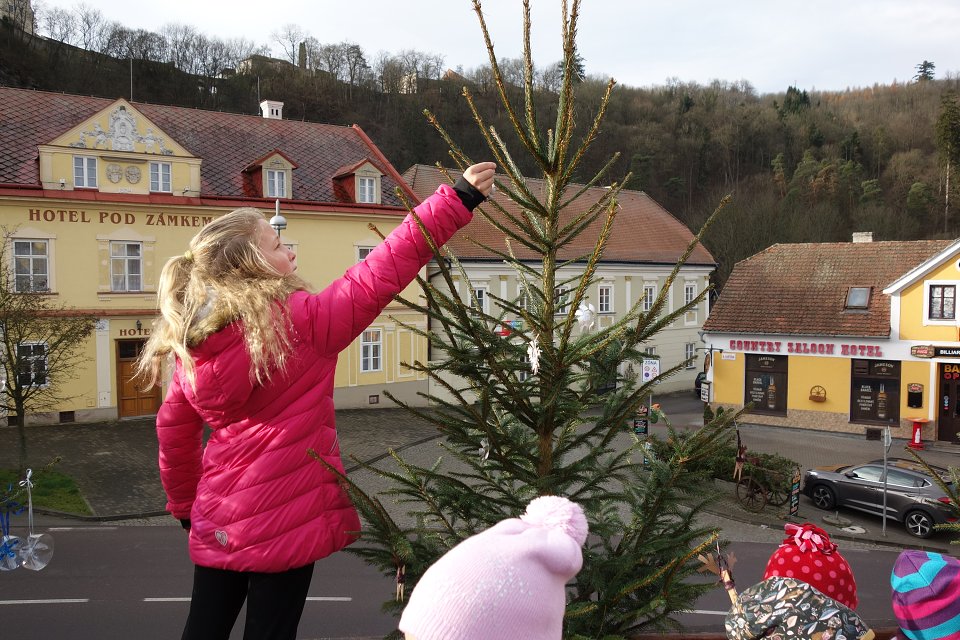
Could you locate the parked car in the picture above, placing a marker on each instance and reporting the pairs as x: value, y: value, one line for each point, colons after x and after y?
x: 913, y: 497
x: 701, y: 377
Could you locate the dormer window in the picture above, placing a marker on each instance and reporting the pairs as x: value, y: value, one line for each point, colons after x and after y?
x: 858, y: 298
x: 160, y: 177
x: 85, y: 172
x: 276, y: 183
x: 272, y: 176
x: 358, y: 183
x: 367, y: 190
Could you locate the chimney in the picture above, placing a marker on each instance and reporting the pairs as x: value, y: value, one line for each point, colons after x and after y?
x: 863, y: 236
x: 272, y: 109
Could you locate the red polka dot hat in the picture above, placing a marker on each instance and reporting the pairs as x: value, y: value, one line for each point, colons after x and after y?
x: 808, y: 554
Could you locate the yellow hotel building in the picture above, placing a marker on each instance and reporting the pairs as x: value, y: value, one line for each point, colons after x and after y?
x: 848, y: 337
x: 96, y: 194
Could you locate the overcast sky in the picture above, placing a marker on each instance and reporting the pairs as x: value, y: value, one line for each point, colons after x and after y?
x: 813, y: 44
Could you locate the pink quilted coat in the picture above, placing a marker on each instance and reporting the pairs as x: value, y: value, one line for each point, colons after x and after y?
x: 257, y: 501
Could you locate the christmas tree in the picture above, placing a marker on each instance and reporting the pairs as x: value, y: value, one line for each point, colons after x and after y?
x: 533, y: 413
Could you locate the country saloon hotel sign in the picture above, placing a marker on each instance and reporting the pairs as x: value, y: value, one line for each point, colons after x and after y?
x: 82, y: 216
x: 806, y: 348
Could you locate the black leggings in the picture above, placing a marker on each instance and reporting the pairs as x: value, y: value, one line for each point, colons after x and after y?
x: 274, y: 603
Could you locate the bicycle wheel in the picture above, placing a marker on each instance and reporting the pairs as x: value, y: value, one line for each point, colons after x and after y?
x: 751, y: 494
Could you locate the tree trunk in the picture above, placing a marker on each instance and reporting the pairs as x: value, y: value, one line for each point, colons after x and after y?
x: 946, y: 199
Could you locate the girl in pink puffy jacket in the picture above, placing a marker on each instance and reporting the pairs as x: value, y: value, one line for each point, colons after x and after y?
x: 254, y: 355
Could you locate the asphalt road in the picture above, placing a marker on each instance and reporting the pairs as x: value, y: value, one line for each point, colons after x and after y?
x: 134, y: 581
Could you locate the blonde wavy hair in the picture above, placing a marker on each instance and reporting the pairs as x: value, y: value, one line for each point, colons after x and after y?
x: 223, y: 277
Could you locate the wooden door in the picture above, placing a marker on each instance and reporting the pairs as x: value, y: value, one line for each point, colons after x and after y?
x: 132, y: 400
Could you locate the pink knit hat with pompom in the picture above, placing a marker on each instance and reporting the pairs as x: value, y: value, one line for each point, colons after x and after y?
x: 506, y: 582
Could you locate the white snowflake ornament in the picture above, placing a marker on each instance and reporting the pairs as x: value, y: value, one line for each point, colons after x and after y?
x: 586, y: 315
x: 533, y: 354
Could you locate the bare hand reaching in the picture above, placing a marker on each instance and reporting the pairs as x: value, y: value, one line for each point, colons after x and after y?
x: 480, y: 175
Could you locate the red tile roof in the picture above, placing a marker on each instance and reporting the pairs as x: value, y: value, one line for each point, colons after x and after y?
x: 644, y: 232
x: 801, y: 289
x: 227, y: 143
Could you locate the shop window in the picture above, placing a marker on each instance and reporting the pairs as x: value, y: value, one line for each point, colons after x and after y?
x: 766, y: 384
x: 875, y: 392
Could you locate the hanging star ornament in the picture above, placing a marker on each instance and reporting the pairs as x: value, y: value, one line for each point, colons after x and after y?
x: 586, y: 316
x: 533, y: 354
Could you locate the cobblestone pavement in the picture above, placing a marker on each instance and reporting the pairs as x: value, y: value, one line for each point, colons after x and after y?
x: 115, y: 466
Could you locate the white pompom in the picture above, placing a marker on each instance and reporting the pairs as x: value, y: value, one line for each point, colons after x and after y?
x: 557, y: 512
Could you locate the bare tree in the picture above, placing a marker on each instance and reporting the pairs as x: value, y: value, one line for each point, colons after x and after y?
x: 91, y: 25
x: 289, y: 37
x: 60, y: 25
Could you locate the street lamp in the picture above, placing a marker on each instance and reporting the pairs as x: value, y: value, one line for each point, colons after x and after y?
x: 278, y: 222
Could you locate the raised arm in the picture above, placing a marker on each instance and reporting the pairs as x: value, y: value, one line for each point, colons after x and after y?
x: 339, y: 313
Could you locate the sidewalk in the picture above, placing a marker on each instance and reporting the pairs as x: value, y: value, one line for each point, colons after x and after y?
x: 115, y: 464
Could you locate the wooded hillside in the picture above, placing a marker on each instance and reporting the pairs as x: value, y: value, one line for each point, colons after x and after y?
x: 802, y: 166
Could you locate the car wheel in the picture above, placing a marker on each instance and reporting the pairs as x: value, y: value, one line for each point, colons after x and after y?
x: 823, y: 497
x: 918, y: 524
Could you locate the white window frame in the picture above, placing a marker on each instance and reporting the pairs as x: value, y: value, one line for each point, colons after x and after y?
x: 928, y: 319
x: 363, y: 251
x: 161, y: 177
x: 689, y: 355
x: 649, y: 297
x: 689, y: 292
x: 276, y: 180
x: 85, y: 172
x: 523, y: 300
x: 480, y: 296
x: 34, y: 273
x: 32, y: 359
x: 605, y: 298
x: 561, y: 300
x: 371, y: 350
x: 366, y: 190
x: 121, y: 266
x: 649, y: 351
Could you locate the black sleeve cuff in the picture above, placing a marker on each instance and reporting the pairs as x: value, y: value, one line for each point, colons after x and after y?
x: 185, y: 523
x: 469, y: 196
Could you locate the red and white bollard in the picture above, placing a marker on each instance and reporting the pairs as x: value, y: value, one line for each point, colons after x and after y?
x: 916, y: 442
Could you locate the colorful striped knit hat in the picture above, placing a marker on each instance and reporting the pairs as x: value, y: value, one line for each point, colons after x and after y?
x: 926, y: 595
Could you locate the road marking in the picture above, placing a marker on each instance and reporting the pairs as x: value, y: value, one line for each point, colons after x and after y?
x: 311, y: 599
x: 52, y: 601
x: 329, y: 599
x: 166, y: 599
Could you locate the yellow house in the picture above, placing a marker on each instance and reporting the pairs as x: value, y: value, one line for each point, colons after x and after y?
x: 96, y: 194
x: 848, y: 337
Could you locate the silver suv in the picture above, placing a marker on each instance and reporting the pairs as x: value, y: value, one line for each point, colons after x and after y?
x: 913, y: 497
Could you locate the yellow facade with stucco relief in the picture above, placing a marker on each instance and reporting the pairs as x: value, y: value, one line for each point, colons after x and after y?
x: 79, y: 229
